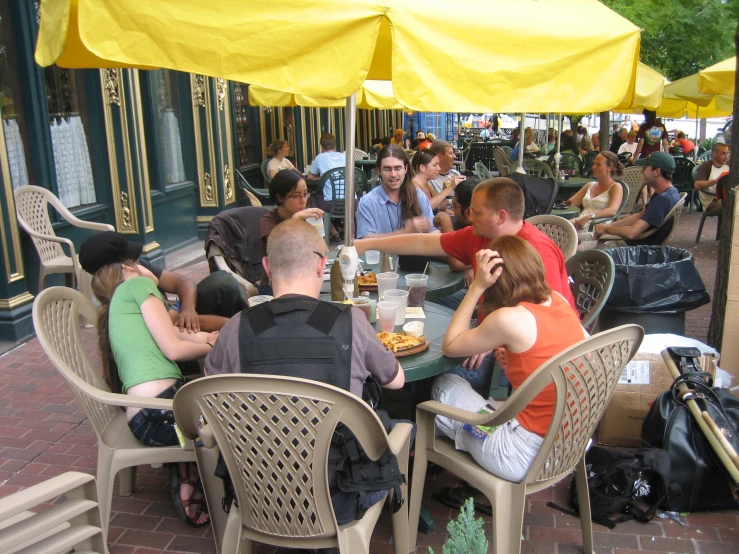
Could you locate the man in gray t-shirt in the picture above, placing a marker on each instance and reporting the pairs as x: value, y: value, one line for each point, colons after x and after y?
x: 445, y: 152
x: 295, y: 262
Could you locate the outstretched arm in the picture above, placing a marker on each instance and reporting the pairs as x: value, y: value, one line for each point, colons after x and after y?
x: 187, y: 292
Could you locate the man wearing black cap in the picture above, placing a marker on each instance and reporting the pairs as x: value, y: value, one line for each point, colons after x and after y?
x: 658, y: 169
x: 202, y: 307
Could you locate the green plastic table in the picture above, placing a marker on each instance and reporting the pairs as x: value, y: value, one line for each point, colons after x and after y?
x: 570, y: 212
x: 568, y: 187
x: 442, y: 281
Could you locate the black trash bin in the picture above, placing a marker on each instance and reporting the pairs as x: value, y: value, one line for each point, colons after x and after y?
x: 654, y: 286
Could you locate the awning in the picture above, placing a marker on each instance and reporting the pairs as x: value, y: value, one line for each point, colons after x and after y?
x: 372, y: 95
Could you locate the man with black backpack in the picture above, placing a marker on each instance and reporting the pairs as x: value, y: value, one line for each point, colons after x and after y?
x: 297, y: 335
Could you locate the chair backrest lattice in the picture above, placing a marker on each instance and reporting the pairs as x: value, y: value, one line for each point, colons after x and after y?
x: 57, y: 312
x: 561, y: 231
x: 32, y: 205
x: 634, y: 179
x: 537, y: 168
x: 337, y: 178
x: 360, y: 154
x: 482, y: 171
x: 501, y: 161
x: 591, y: 278
x: 588, y: 160
x: 278, y: 431
x: 570, y: 164
x: 683, y: 175
x: 585, y: 377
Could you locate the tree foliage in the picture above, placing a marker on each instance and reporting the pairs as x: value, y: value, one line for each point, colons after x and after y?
x: 681, y: 37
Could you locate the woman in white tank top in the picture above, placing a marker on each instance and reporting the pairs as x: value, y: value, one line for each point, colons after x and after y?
x: 602, y: 197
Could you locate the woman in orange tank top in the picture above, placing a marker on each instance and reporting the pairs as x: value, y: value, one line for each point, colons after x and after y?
x: 532, y: 324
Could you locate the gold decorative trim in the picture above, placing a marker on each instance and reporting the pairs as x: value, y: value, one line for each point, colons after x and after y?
x: 205, y: 218
x: 125, y: 204
x: 16, y: 301
x: 111, y: 86
x: 306, y: 160
x: 17, y: 254
x: 198, y: 90
x: 221, y: 93
x: 228, y: 190
x: 153, y: 245
x: 132, y: 212
x: 139, y: 137
x: 201, y: 103
x: 229, y: 161
x: 263, y: 132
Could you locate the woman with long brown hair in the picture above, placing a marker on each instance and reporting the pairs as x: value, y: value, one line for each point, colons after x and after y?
x: 532, y: 324
x: 139, y: 346
x: 396, y: 207
x: 425, y: 164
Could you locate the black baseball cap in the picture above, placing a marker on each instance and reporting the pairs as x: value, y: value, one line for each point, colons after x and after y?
x: 106, y: 248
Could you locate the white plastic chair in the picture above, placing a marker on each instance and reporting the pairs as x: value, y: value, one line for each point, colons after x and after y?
x: 31, y: 205
x: 560, y: 230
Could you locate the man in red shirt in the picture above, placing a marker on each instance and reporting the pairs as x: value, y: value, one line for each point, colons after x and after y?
x: 497, y: 209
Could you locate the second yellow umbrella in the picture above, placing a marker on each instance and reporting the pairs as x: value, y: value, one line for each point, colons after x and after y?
x: 719, y: 78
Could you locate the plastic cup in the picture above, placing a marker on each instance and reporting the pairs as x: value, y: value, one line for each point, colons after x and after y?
x: 259, y: 299
x: 317, y: 224
x: 386, y: 314
x: 400, y: 297
x: 363, y: 304
x: 372, y: 257
x: 385, y: 282
x: 416, y: 288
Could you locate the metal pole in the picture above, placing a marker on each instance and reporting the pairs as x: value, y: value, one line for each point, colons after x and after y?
x: 697, y: 142
x: 350, y: 134
x: 521, y: 145
x: 557, y: 156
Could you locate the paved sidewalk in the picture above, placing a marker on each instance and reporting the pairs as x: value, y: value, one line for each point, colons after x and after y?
x: 44, y: 433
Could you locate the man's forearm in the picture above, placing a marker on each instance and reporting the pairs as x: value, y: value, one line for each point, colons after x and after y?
x: 187, y: 292
x: 418, y: 244
x: 700, y: 185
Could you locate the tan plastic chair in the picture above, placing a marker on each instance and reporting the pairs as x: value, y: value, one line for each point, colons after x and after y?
x: 634, y: 179
x: 482, y: 171
x: 31, y: 205
x: 71, y: 525
x: 274, y: 434
x: 591, y: 274
x: 502, y: 162
x: 674, y: 213
x: 56, y: 318
x: 584, y: 376
x: 560, y: 230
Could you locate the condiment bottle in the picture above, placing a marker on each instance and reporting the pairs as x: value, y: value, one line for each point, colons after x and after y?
x: 386, y: 263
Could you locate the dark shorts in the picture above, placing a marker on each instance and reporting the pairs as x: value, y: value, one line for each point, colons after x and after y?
x: 156, y: 427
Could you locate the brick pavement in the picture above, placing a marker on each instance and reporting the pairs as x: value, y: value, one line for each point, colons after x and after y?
x: 45, y: 433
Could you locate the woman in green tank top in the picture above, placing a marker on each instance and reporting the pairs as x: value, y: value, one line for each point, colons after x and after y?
x: 139, y: 347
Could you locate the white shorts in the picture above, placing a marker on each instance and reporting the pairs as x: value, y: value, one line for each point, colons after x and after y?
x: 506, y: 452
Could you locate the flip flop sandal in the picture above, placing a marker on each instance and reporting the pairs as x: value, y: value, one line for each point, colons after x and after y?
x: 454, y: 497
x: 180, y: 505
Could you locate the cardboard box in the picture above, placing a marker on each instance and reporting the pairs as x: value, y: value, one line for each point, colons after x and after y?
x: 622, y: 421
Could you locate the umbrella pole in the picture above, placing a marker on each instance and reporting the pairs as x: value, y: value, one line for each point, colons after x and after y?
x: 557, y: 156
x: 521, y: 144
x: 350, y: 134
x: 697, y: 142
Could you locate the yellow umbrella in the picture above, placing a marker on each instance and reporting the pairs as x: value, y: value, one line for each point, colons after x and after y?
x: 650, y: 85
x: 719, y: 78
x: 372, y: 95
x: 466, y: 57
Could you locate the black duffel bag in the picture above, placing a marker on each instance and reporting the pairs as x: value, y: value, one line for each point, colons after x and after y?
x: 694, y: 466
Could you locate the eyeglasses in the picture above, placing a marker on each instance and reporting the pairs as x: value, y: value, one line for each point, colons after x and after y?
x: 396, y: 169
x: 319, y: 254
x: 298, y: 196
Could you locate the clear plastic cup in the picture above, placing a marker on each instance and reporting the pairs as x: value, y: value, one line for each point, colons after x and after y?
x: 385, y: 282
x: 372, y: 257
x: 317, y: 224
x: 363, y: 304
x: 386, y: 314
x: 400, y: 297
x: 416, y: 288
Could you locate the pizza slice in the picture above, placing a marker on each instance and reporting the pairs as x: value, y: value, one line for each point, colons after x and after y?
x: 399, y: 341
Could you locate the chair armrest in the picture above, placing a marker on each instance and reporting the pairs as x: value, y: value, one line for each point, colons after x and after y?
x: 43, y: 492
x: 123, y: 400
x: 607, y: 238
x: 92, y: 225
x: 51, y: 238
x: 399, y: 437
x: 595, y: 221
x: 498, y: 417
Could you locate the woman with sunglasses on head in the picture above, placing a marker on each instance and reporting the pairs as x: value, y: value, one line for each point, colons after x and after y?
x: 138, y: 347
x: 289, y: 191
x: 426, y: 168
